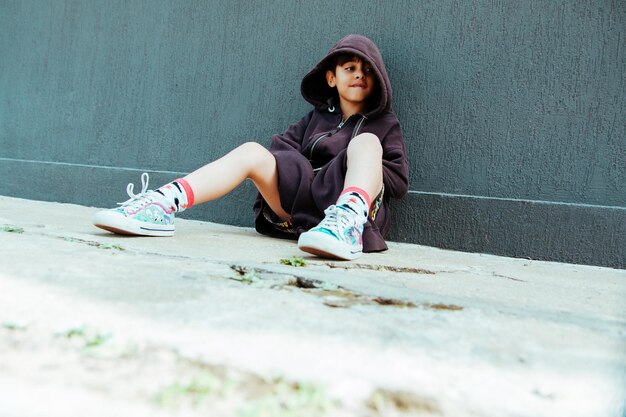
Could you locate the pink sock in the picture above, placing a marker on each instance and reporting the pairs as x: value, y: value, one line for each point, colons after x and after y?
x: 356, y: 199
x: 188, y: 191
x: 179, y: 193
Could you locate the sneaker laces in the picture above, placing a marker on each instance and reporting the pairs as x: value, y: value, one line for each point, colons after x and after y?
x: 336, y: 219
x: 137, y: 200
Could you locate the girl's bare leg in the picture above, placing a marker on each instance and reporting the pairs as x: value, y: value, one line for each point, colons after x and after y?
x: 332, y: 238
x: 249, y: 160
x: 365, y: 166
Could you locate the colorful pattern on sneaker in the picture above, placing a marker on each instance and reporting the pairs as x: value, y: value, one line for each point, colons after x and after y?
x: 337, y: 236
x: 147, y: 214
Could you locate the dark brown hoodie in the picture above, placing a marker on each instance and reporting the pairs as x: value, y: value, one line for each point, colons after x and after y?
x: 311, y: 154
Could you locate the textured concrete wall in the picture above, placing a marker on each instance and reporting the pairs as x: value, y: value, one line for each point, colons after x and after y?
x: 505, y: 105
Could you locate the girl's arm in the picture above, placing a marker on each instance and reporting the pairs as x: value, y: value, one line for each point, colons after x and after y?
x: 292, y: 138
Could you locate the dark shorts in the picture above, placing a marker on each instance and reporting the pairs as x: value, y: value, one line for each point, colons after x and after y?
x: 287, y: 228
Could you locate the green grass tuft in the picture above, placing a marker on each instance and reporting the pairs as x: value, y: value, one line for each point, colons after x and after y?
x: 12, y: 229
x: 293, y: 261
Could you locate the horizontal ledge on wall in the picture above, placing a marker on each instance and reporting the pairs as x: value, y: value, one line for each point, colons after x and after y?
x: 521, y: 200
x: 94, y: 166
x: 180, y: 174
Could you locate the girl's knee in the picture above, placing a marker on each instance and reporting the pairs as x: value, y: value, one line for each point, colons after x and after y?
x: 253, y: 152
x: 365, y: 142
x: 257, y: 160
x: 252, y: 148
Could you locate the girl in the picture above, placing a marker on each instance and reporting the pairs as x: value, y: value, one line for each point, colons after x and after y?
x: 327, y: 180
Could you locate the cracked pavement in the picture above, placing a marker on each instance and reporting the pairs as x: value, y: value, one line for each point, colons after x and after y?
x: 211, y: 321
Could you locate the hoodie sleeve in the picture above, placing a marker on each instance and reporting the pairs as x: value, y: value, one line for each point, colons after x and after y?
x: 292, y: 138
x: 395, y: 164
x: 294, y: 169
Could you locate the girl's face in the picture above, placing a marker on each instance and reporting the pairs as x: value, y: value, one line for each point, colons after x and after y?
x: 355, y: 81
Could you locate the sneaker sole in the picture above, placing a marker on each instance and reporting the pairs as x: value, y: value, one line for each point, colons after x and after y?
x: 324, y: 246
x: 121, y: 225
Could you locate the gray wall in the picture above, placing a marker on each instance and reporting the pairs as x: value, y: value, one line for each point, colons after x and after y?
x: 513, y: 111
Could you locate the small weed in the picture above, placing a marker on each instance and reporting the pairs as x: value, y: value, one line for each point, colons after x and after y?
x: 96, y: 340
x: 195, y: 391
x: 246, y: 395
x: 249, y: 277
x: 246, y: 276
x: 73, y: 332
x: 12, y: 229
x: 14, y: 326
x: 293, y: 261
x: 88, y: 339
x: 289, y: 400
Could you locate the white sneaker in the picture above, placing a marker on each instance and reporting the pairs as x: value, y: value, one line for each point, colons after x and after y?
x: 146, y: 214
x: 338, y: 236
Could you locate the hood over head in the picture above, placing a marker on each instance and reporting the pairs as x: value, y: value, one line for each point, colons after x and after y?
x: 316, y: 91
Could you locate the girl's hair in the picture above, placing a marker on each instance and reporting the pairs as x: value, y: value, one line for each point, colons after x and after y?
x: 341, y: 59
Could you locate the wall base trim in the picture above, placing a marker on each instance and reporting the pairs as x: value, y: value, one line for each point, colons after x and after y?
x: 561, y: 232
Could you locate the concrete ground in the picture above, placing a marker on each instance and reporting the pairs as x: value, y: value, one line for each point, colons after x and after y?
x: 210, y: 322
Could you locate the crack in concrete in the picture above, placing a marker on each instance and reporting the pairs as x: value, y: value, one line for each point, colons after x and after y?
x: 372, y: 267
